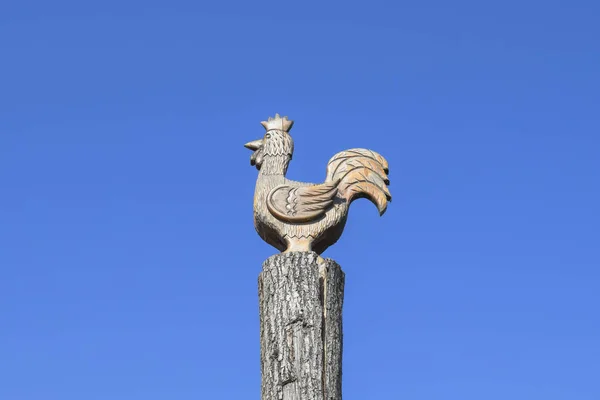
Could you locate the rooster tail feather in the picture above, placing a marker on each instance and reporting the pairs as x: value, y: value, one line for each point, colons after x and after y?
x: 367, y: 190
x: 361, y: 173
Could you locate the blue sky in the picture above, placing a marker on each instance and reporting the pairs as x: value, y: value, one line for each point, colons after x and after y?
x: 128, y: 258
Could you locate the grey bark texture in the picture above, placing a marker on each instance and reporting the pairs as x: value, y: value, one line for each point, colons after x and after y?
x: 301, y: 327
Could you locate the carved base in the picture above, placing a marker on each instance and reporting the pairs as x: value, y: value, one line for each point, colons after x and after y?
x: 301, y: 302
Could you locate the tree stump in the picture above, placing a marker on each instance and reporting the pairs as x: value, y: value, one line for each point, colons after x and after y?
x: 301, y: 327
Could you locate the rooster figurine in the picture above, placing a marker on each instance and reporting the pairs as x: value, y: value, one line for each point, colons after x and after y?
x: 297, y: 216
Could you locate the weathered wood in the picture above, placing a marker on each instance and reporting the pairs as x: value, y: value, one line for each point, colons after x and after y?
x: 302, y: 217
x: 301, y: 302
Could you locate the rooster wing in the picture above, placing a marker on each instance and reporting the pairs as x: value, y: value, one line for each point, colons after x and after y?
x: 301, y: 204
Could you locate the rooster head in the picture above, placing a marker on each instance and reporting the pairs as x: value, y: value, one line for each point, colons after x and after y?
x: 277, y: 143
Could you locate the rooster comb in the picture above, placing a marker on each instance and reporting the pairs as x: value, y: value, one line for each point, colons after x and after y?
x: 278, y: 123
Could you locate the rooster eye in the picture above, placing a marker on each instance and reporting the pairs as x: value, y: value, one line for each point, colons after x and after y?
x: 268, y: 135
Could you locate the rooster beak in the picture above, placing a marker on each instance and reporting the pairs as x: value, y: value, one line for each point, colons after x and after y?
x: 255, y: 145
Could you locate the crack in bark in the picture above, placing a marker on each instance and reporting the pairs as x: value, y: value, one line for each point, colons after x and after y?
x: 322, y: 299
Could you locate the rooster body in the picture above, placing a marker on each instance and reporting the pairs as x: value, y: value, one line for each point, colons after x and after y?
x: 298, y: 216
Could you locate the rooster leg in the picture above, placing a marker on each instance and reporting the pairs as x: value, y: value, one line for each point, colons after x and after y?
x: 295, y: 244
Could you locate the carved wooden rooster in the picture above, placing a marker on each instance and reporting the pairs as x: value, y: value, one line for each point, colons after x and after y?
x: 297, y: 216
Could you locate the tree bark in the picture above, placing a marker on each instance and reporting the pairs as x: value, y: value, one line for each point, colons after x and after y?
x: 301, y: 327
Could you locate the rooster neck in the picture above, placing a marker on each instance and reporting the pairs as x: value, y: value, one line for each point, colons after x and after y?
x: 275, y: 165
